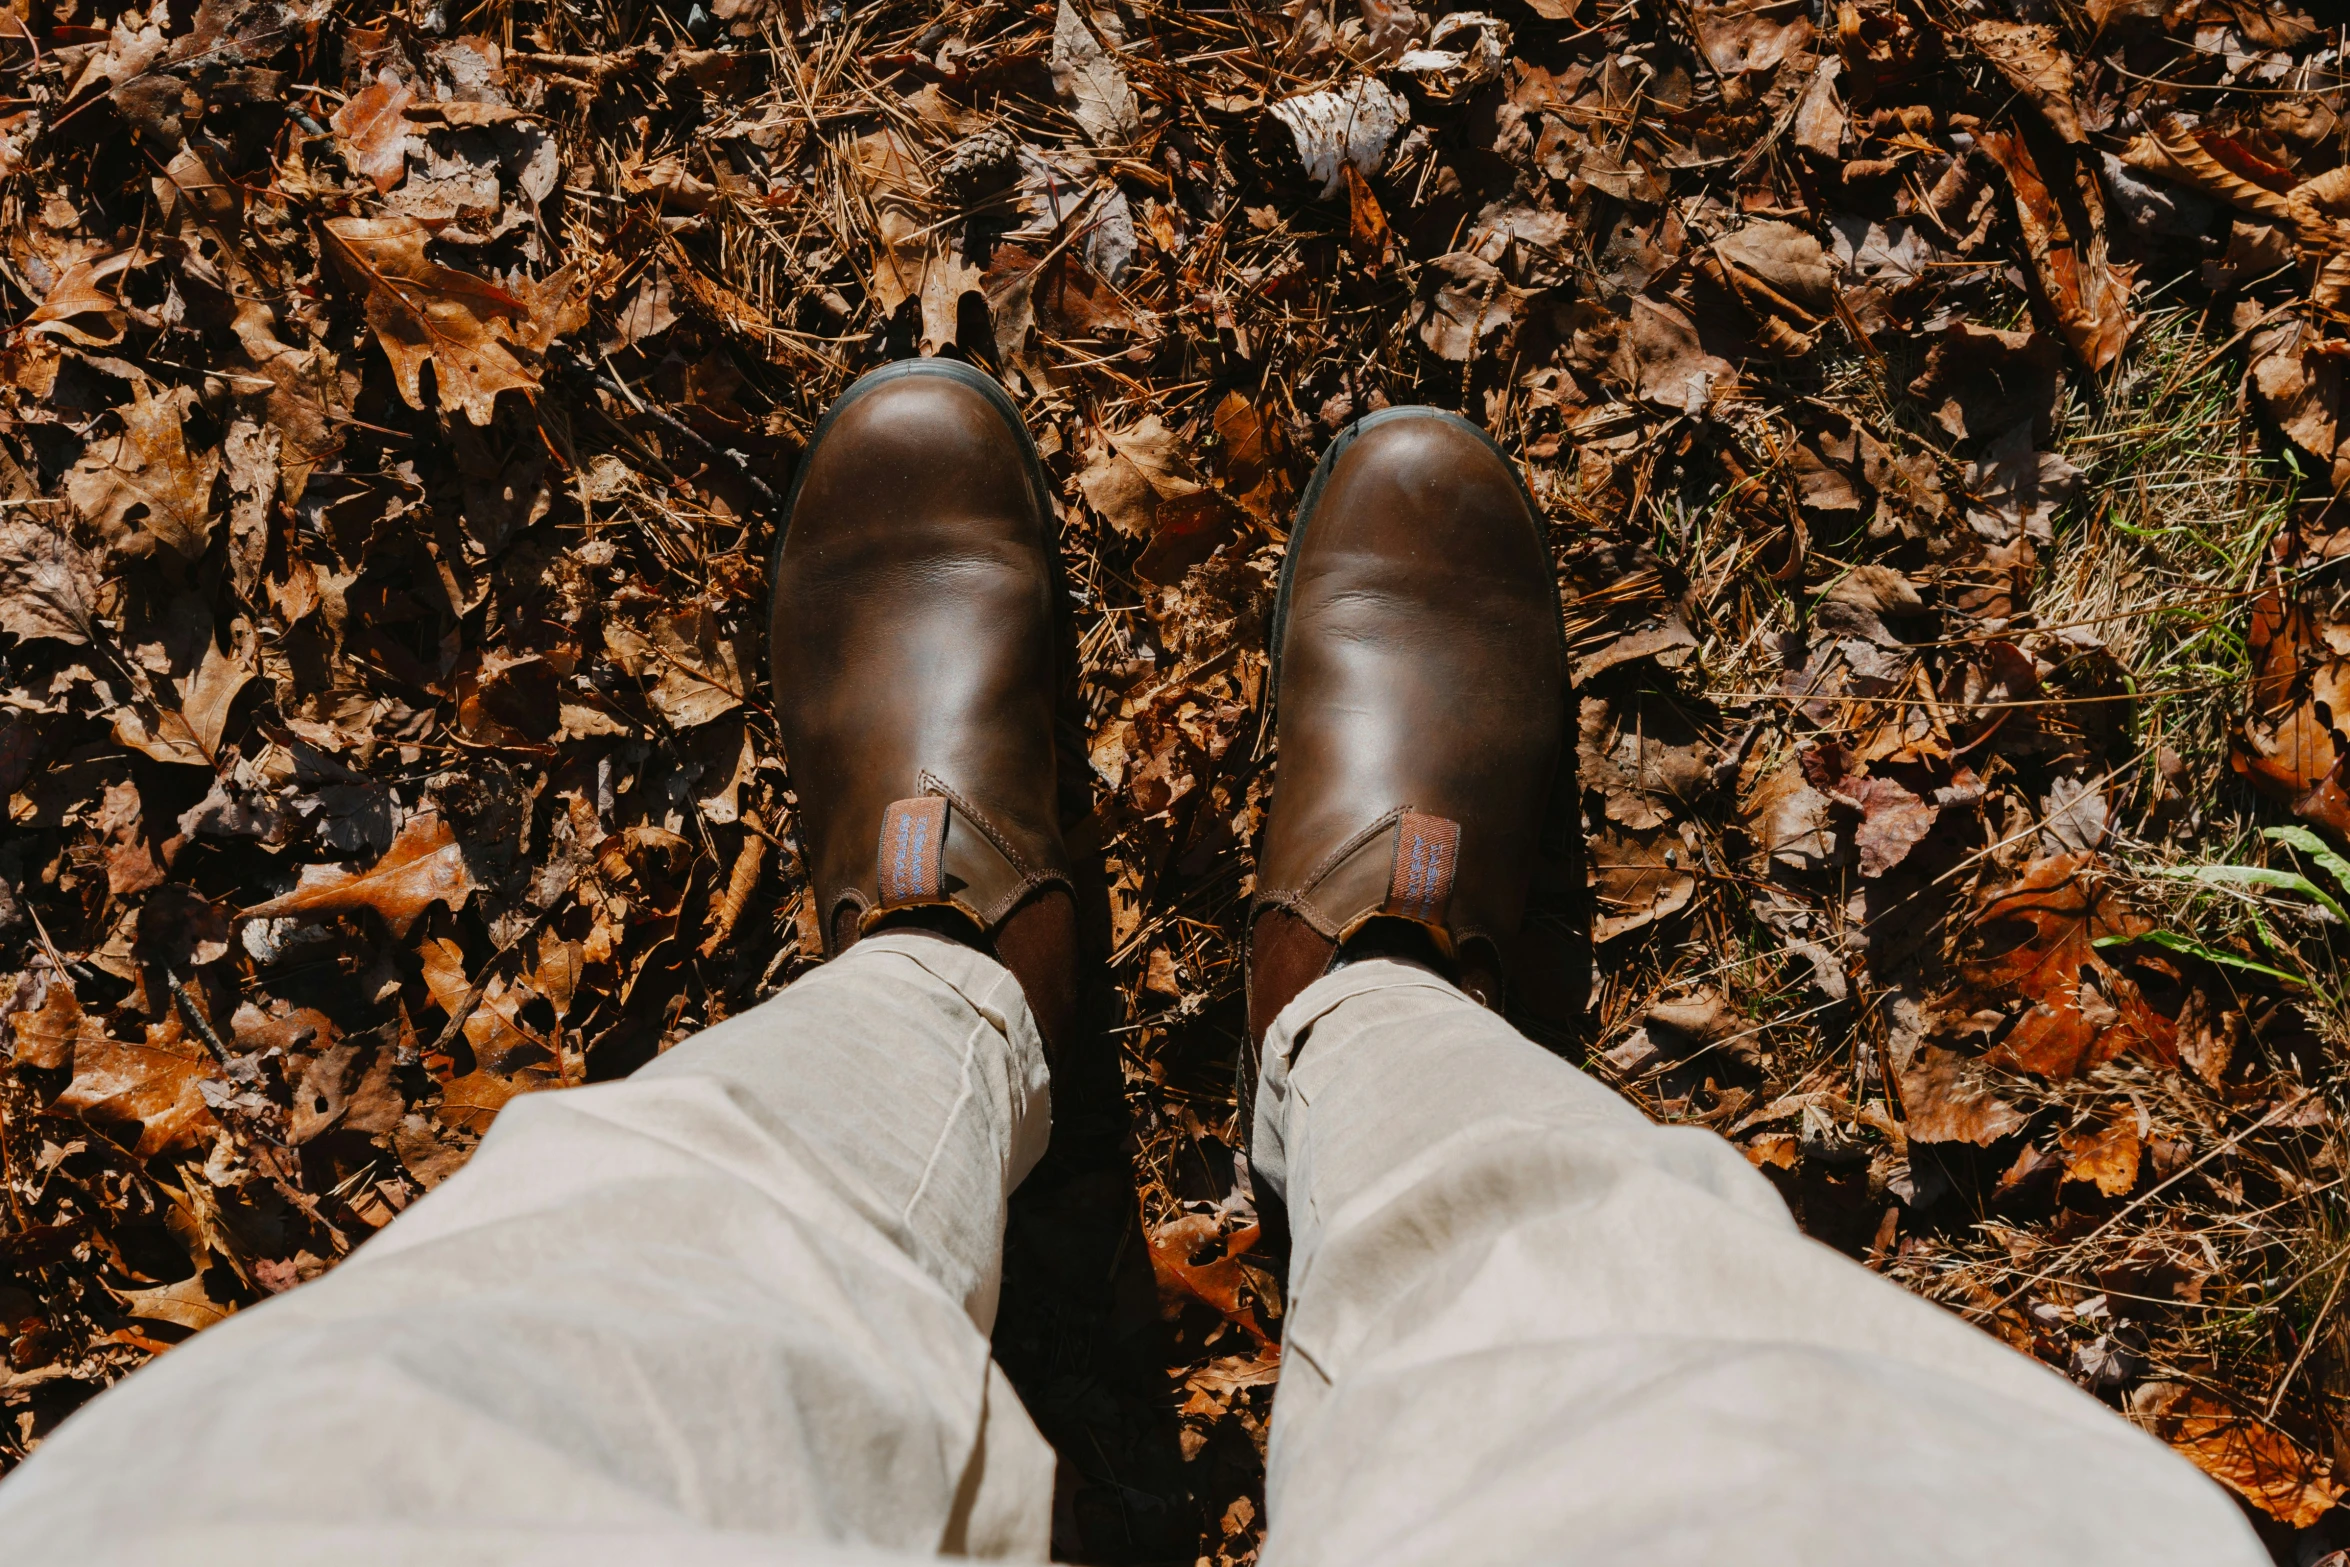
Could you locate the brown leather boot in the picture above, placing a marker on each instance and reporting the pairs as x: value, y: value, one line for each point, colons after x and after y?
x: 914, y: 648
x: 1419, y: 687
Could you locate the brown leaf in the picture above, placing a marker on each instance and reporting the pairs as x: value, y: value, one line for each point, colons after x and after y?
x: 45, y: 1037
x: 193, y: 732
x: 2288, y: 747
x: 2242, y: 1452
x: 141, y: 487
x: 153, y: 1085
x: 692, y: 667
x: 1892, y: 822
x: 372, y: 126
x: 1781, y: 276
x: 1466, y: 308
x: 1638, y: 878
x: 47, y: 584
x: 179, y: 929
x: 1100, y: 100
x: 1668, y: 367
x: 2064, y: 236
x: 425, y: 865
x: 425, y: 313
x: 2216, y: 165
x: 187, y: 1304
x: 503, y: 1042
x: 2299, y: 380
x: 1979, y: 381
x: 1236, y: 1290
x: 1788, y: 819
x: 80, y: 308
x: 2036, y: 947
x: 2026, y: 53
x: 1945, y: 1100
x: 2107, y: 1158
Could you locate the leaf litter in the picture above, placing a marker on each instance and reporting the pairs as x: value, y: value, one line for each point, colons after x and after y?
x: 1938, y: 410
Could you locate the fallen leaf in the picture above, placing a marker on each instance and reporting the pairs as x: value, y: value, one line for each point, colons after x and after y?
x: 1100, y: 100
x: 187, y: 1304
x: 1944, y: 1099
x: 2036, y: 958
x: 1330, y: 132
x: 2241, y: 1451
x: 425, y: 865
x: 80, y: 300
x: 141, y: 487
x: 2064, y: 235
x: 2106, y: 1158
x: 1892, y: 822
x: 692, y: 667
x: 1669, y: 368
x: 47, y: 584
x: 153, y: 1085
x: 1238, y: 1291
x: 425, y: 313
x: 1788, y: 819
x: 1638, y: 878
x: 2027, y: 54
x: 372, y: 126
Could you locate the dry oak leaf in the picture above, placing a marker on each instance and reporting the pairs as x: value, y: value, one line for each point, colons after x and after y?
x: 47, y: 583
x: 425, y: 865
x: 77, y: 297
x: 2036, y: 944
x: 693, y: 671
x: 141, y: 487
x: 424, y: 312
x: 2242, y: 1452
x: 155, y: 1084
x: 372, y: 126
x: 192, y: 733
x: 1237, y: 1291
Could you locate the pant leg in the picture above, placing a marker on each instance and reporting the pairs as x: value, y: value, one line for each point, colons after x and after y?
x: 1527, y: 1324
x: 735, y: 1306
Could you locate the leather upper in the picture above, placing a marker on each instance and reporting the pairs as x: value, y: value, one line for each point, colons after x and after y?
x: 1420, y: 689
x: 912, y: 651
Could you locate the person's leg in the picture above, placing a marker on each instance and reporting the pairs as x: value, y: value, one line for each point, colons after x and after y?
x: 1527, y: 1324
x: 743, y: 1297
x: 747, y: 1290
x: 1524, y: 1323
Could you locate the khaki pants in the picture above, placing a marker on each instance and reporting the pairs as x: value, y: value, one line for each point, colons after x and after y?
x: 736, y: 1308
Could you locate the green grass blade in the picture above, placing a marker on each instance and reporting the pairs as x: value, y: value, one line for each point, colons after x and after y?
x: 2257, y: 876
x: 2316, y: 848
x: 2164, y: 938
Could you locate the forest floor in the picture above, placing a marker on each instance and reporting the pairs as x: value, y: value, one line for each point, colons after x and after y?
x: 1938, y: 405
